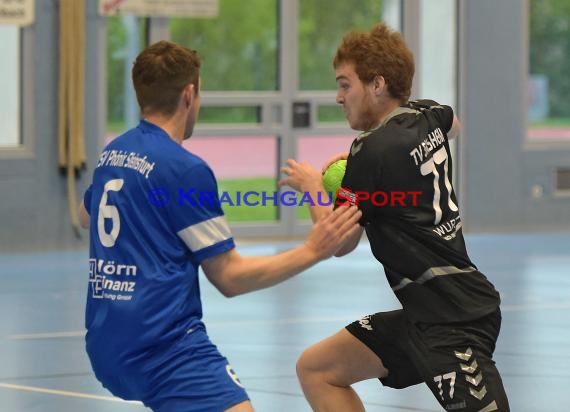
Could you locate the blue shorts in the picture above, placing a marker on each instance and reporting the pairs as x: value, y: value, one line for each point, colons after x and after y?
x: 192, y: 376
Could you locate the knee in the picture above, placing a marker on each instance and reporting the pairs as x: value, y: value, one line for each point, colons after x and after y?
x: 310, y: 367
x: 303, y: 366
x: 315, y: 369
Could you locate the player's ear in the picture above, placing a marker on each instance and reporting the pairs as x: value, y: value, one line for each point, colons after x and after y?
x: 188, y: 95
x: 379, y: 84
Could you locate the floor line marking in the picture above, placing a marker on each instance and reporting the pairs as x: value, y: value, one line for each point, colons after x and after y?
x: 48, y: 335
x: 65, y: 393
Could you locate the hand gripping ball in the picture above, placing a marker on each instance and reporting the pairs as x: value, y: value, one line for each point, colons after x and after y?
x: 332, y: 178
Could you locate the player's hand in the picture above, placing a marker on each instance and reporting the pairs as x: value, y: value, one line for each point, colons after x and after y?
x: 301, y: 176
x: 338, y: 156
x: 330, y: 233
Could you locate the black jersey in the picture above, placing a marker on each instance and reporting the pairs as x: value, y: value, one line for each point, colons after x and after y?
x: 401, y: 176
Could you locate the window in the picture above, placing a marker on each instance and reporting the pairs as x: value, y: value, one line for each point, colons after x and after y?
x: 10, y: 87
x: 239, y: 51
x: 322, y: 24
x: 125, y: 39
x: 245, y: 168
x: 238, y: 47
x: 549, y: 64
x: 436, y: 65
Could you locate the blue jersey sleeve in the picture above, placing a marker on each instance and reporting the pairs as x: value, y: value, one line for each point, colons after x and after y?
x: 198, y: 217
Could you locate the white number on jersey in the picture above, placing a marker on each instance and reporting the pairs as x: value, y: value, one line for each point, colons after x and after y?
x: 429, y: 167
x: 107, y: 211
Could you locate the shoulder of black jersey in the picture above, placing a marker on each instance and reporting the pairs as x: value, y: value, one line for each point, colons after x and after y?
x: 422, y: 104
x: 383, y: 137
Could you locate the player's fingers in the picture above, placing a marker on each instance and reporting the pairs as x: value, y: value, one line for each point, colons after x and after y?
x: 291, y: 163
x: 353, y: 215
x: 344, y: 214
x: 351, y: 226
x: 348, y: 228
x: 287, y: 181
x: 339, y: 226
x: 338, y: 156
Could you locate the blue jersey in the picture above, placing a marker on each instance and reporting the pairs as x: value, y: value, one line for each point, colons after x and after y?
x: 155, y: 216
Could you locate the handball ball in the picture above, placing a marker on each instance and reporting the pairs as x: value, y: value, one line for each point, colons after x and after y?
x: 332, y: 178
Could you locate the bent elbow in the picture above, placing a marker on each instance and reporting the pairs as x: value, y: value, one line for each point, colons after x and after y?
x: 228, y: 291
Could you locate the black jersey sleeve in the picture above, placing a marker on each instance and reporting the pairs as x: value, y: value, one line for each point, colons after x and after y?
x: 443, y: 114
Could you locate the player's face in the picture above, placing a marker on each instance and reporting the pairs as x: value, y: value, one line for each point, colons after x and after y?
x: 192, y: 116
x: 357, y: 99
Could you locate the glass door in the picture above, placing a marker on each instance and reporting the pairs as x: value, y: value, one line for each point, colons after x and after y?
x: 268, y: 94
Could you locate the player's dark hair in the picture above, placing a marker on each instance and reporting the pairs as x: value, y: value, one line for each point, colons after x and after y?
x: 161, y: 72
x: 379, y: 52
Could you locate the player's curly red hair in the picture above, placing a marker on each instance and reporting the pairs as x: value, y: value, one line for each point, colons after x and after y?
x: 379, y: 52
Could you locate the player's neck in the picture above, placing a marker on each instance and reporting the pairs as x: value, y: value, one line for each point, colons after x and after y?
x: 171, y: 125
x: 387, y: 107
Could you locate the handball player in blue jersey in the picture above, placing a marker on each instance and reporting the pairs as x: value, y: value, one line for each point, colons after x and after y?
x: 145, y: 335
x: 444, y: 334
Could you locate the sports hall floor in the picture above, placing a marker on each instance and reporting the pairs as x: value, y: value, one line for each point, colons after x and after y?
x: 44, y: 367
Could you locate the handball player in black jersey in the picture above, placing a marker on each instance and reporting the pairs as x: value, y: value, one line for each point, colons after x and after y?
x: 399, y: 172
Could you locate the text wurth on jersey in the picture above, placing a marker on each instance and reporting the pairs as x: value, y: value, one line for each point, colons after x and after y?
x: 102, y: 277
x: 448, y: 230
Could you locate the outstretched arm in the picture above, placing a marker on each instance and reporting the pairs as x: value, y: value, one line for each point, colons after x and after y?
x: 233, y: 274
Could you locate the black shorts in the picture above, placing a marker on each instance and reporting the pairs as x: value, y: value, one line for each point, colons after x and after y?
x: 454, y: 360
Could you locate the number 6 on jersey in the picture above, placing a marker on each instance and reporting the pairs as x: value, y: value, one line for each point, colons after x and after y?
x: 107, y: 211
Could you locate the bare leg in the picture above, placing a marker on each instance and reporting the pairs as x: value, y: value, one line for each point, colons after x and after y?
x: 241, y: 407
x: 327, y: 369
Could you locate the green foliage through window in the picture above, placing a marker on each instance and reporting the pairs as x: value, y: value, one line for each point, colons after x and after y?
x: 322, y: 24
x: 118, y: 65
x: 550, y: 51
x: 238, y: 47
